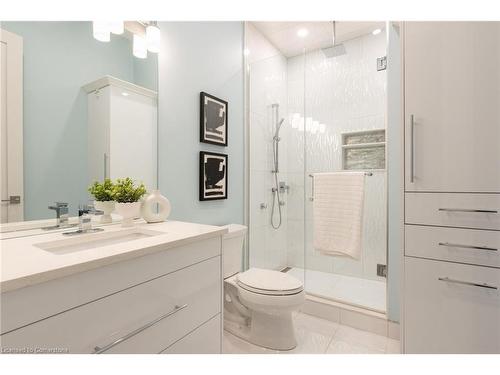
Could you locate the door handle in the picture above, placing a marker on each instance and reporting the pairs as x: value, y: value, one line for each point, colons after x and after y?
x: 13, y: 199
x: 412, y: 148
x: 311, y: 198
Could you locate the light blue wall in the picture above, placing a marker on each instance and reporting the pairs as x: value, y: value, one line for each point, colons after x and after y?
x: 394, y: 172
x: 59, y: 58
x: 194, y: 57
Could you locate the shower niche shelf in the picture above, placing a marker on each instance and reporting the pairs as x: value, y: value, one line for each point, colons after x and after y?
x: 363, y: 150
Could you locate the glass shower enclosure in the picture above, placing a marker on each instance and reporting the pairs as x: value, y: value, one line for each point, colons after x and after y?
x: 321, y: 110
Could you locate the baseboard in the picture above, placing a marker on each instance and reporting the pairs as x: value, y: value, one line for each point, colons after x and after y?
x: 356, y: 317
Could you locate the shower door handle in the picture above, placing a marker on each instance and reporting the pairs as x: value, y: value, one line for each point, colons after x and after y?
x: 311, y: 198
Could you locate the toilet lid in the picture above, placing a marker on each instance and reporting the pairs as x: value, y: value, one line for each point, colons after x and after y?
x: 269, y: 282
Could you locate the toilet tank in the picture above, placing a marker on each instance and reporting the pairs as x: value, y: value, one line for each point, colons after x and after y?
x: 232, y: 248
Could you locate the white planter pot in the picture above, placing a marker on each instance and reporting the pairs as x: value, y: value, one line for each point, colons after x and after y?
x: 128, y: 211
x: 107, y: 207
x: 148, y: 204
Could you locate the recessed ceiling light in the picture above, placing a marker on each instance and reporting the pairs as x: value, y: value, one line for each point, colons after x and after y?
x: 376, y: 31
x: 302, y: 32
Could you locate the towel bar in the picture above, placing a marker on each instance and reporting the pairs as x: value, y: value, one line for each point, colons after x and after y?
x: 311, y: 198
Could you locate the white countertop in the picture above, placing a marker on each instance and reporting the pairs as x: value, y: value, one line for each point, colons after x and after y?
x: 24, y: 264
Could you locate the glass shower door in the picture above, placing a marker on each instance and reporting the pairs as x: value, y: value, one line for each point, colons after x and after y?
x: 345, y: 105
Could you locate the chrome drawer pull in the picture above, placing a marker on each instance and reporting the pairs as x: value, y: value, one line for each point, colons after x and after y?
x: 468, y: 210
x: 448, y: 244
x: 454, y: 281
x: 99, y: 350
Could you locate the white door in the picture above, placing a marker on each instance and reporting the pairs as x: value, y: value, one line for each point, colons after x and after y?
x: 452, y: 106
x: 11, y: 118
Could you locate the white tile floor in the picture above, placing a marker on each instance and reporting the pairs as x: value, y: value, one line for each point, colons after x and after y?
x: 352, y: 290
x: 318, y: 336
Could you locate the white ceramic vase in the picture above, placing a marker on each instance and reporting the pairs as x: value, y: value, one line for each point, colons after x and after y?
x: 107, y: 207
x: 128, y: 211
x: 149, y: 203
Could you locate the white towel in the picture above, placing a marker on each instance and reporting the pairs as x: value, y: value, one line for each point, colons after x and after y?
x: 338, y: 213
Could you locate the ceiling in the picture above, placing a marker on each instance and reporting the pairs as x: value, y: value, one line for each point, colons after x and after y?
x: 283, y: 35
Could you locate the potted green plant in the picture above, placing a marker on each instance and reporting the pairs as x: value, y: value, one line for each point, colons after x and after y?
x: 104, y: 201
x: 127, y: 196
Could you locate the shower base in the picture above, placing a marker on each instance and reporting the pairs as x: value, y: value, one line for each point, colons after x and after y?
x: 358, y: 292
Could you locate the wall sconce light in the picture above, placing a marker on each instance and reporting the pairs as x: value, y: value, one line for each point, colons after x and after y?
x: 153, y: 37
x: 116, y: 27
x: 140, y: 48
x: 100, y: 30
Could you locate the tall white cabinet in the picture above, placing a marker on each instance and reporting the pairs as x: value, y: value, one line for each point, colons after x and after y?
x: 452, y: 187
x: 122, y: 125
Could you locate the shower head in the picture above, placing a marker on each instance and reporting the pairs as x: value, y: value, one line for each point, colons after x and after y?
x: 278, y: 129
x: 334, y: 51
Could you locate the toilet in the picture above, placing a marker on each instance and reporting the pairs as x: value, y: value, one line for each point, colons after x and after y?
x: 258, y: 303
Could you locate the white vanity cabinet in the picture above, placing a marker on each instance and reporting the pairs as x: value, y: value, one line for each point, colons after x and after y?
x: 165, y: 302
x: 452, y: 187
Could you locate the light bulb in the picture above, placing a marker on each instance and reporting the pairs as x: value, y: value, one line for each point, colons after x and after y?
x: 116, y: 27
x: 153, y: 38
x: 101, y: 31
x: 140, y: 49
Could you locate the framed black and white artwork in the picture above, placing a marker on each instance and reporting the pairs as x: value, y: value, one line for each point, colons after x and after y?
x: 213, y: 120
x: 213, y: 176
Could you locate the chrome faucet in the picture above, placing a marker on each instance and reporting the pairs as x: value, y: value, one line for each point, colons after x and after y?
x: 85, y: 220
x: 62, y: 216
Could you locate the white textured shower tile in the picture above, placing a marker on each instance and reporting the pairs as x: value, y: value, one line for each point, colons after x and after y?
x: 257, y: 244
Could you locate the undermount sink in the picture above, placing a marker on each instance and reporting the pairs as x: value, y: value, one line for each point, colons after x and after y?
x: 96, y: 240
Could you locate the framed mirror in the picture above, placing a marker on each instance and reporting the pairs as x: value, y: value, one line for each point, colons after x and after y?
x: 75, y: 109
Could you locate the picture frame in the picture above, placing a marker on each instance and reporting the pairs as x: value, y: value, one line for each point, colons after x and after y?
x: 213, y: 176
x: 213, y: 120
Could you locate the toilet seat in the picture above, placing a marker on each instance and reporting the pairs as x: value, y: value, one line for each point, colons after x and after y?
x: 269, y: 282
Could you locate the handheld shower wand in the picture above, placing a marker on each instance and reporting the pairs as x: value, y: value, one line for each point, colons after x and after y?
x: 276, y: 189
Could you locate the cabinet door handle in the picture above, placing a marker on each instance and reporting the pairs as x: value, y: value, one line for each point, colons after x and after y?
x: 454, y: 281
x: 412, y: 148
x: 99, y: 350
x: 311, y: 198
x: 105, y: 165
x: 468, y: 210
x: 448, y: 244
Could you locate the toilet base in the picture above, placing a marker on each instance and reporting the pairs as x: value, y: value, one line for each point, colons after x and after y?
x: 268, y: 331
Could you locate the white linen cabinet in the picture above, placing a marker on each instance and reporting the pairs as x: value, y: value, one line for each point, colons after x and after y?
x: 122, y: 124
x: 452, y: 187
x: 452, y: 106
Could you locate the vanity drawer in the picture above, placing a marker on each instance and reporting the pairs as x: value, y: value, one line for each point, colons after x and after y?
x: 448, y: 309
x: 160, y: 312
x: 33, y: 303
x: 473, y: 246
x: 481, y: 211
x: 204, y: 340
